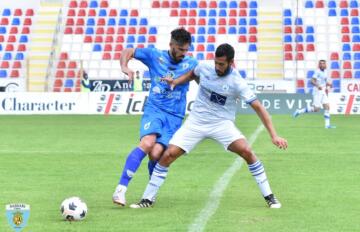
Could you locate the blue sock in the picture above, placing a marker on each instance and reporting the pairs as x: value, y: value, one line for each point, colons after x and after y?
x: 132, y: 163
x: 151, y: 166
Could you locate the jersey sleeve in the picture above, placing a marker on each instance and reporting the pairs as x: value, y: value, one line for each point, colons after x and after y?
x: 145, y: 55
x: 246, y: 93
x: 198, y: 69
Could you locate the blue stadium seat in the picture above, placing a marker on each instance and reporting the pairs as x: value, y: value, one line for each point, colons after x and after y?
x: 200, y: 39
x: 130, y: 46
x: 253, y: 13
x: 202, y: 13
x: 232, y: 30
x: 356, y: 38
x: 97, y: 48
x: 355, y: 30
x: 122, y: 21
x: 222, y: 4
x: 19, y: 56
x: 102, y: 13
x: 357, y: 75
x: 212, y: 13
x: 3, y: 73
x: 357, y: 65
x: 242, y: 73
x: 212, y: 21
x: 90, y: 22
x: 300, y: 90
x: 357, y: 56
x: 344, y: 12
x: 332, y: 12
x: 287, y: 39
x: 287, y: 13
x: 133, y: 22
x: 210, y: 48
x: 309, y: 4
x: 242, y: 30
x: 354, y: 4
x: 184, y: 4
x: 211, y: 30
x: 200, y: 56
x: 192, y: 39
x: 191, y: 48
x: 336, y: 84
x: 335, y: 65
x: 233, y: 4
x: 23, y: 39
x: 201, y: 30
x: 346, y: 56
x: 242, y: 21
x: 1, y: 47
x: 332, y: 4
x: 124, y: 13
x: 111, y: 22
x: 130, y: 39
x: 298, y: 21
x: 89, y: 31
x: 355, y: 21
x: 299, y: 38
x: 143, y: 22
x: 2, y: 30
x: 6, y: 12
x: 69, y: 83
x: 310, y: 39
x: 93, y: 4
x: 193, y: 4
x: 253, y: 22
x: 252, y: 48
x: 346, y: 48
x: 151, y: 46
x: 309, y: 30
x: 253, y: 4
x: 310, y: 74
x: 287, y: 21
x: 222, y: 13
x: 15, y: 21
x: 153, y: 31
x: 141, y: 39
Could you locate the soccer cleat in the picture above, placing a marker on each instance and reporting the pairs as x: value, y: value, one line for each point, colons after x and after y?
x: 119, y: 196
x: 272, y: 201
x: 296, y: 113
x: 330, y: 127
x: 144, y: 203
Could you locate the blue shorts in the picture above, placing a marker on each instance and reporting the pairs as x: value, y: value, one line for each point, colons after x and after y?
x: 163, y: 124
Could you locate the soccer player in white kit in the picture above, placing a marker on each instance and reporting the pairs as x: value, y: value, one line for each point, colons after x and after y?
x: 320, y: 95
x: 213, y: 116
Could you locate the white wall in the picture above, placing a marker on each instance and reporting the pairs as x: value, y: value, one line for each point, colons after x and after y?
x: 20, y: 4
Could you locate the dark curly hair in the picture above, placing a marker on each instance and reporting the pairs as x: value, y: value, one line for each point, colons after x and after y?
x: 225, y: 50
x: 181, y: 36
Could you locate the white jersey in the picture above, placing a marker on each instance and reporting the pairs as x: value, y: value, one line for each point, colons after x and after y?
x: 321, y: 80
x: 217, y: 96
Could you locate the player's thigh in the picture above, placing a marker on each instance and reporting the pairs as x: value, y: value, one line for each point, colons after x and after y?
x: 188, y: 136
x: 225, y: 133
x: 325, y: 99
x: 317, y: 97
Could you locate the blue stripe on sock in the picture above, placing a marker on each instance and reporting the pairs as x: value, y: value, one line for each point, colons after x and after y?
x: 254, y: 168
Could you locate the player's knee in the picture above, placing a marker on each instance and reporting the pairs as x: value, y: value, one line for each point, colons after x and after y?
x: 147, y: 145
x: 248, y: 154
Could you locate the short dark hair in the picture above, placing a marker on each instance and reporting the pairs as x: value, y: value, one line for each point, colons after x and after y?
x: 322, y: 61
x: 181, y: 36
x: 225, y: 50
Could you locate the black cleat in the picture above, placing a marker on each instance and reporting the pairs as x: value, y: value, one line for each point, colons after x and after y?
x: 272, y: 201
x: 144, y: 203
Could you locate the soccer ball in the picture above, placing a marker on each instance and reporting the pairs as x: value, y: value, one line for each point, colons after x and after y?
x: 73, y: 209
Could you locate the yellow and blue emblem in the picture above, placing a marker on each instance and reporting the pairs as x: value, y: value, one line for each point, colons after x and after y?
x: 18, y: 215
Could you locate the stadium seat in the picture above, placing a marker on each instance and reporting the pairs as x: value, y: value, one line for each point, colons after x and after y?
x: 332, y: 12
x: 243, y: 4
x: 299, y: 56
x: 335, y: 65
x: 309, y: 4
x: 357, y: 56
x: 287, y: 21
x: 253, y: 4
x: 3, y: 73
x: 346, y: 48
x: 165, y: 4
x: 242, y: 39
x: 348, y: 74
x: 5, y: 64
x: 200, y: 56
x: 335, y: 74
x: 18, y: 12
x: 334, y: 56
x: 319, y: 4
x: 357, y: 65
x: 345, y: 39
x: 287, y: 47
x: 212, y: 13
x: 287, y: 13
x: 331, y: 4
x: 347, y: 65
x: 346, y: 56
x: 14, y: 73
x: 343, y: 4
x: 6, y: 12
x: 287, y: 39
x: 299, y: 39
x: 222, y: 4
x: 233, y: 4
x: 357, y: 75
x: 355, y: 21
x: 354, y: 12
x: 213, y: 4
x: 175, y: 4
x: 104, y: 4
x: 222, y: 13
x: 211, y: 39
x: 252, y: 48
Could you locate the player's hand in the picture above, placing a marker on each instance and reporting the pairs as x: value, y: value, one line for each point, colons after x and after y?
x: 280, y: 142
x: 170, y: 81
x: 130, y: 73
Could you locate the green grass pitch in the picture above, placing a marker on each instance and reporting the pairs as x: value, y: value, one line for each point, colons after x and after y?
x: 45, y: 159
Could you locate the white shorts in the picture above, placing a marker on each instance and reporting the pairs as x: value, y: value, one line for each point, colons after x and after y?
x: 319, y: 99
x: 192, y: 132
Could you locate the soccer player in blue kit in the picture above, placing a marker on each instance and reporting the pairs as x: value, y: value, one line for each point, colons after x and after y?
x: 213, y: 116
x: 164, y: 109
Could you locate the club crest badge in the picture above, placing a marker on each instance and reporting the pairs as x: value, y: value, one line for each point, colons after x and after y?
x: 17, y: 215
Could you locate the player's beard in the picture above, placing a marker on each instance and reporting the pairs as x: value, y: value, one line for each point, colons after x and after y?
x: 177, y: 59
x: 221, y: 74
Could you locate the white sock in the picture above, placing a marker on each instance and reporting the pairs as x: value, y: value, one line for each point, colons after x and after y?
x: 123, y: 188
x: 157, y: 179
x: 327, y: 118
x: 258, y: 172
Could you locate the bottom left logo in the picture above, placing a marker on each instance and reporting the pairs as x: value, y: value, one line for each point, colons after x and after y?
x: 18, y: 215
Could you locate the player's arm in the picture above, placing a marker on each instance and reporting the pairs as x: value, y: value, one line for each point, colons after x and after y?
x: 189, y: 76
x: 127, y: 55
x: 266, y: 120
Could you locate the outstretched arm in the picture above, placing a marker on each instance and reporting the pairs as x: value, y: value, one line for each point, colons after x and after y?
x: 266, y: 120
x: 127, y: 55
x: 189, y: 76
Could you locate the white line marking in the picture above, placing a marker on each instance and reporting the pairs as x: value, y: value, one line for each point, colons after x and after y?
x: 213, y: 202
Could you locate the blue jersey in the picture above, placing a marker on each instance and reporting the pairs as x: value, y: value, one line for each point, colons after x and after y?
x: 160, y: 65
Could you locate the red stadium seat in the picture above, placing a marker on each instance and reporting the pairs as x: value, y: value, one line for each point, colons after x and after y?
x: 288, y: 56
x: 58, y: 83
x: 73, y: 4
x: 242, y: 13
x: 152, y: 39
x: 68, y: 30
x: 347, y: 74
x: 252, y: 39
x: 25, y: 30
x: 64, y: 56
x: 252, y: 30
x: 310, y: 47
x: 117, y: 56
x: 174, y: 13
x: 109, y: 39
x: 100, y: 22
x: 300, y: 83
x: 356, y: 47
x: 192, y: 30
x: 108, y: 48
x: 110, y: 31
x: 80, y: 22
x: 182, y: 22
x: 299, y: 56
x: 92, y: 12
x: 71, y: 13
x: 335, y: 74
x: 211, y: 39
x: 210, y: 56
x: 202, y: 4
x: 100, y: 31
x: 4, y: 21
x: 334, y: 56
x: 4, y: 64
x: 232, y: 21
x: 27, y: 22
x: 343, y: 4
x: 191, y: 21
x: 175, y: 4
x: 232, y: 13
x: 119, y: 47
x: 98, y: 39
x: 72, y: 64
x: 142, y: 30
x: 14, y: 73
x: 2, y: 38
x: 11, y: 39
x: 61, y: 65
x: 183, y: 13
x: 131, y: 31
x: 287, y: 30
x: 222, y: 21
x: 298, y: 30
x: 345, y: 38
x: 106, y: 56
x: 113, y: 13
x: 134, y: 13
x: 120, y: 39
x: 70, y: 22
x: 29, y: 12
x: 354, y: 12
x: 104, y: 4
x: 299, y: 47
x: 347, y: 65
x: 201, y: 21
x: 120, y: 30
x: 21, y: 48
x: 18, y: 12
x: 243, y: 4
x: 59, y: 74
x: 67, y: 90
x: 213, y: 4
x: 287, y: 47
x: 81, y: 13
x: 165, y: 4
x: 345, y: 29
x: 221, y: 30
x: 192, y: 13
x: 13, y: 30
x: 83, y: 4
x: 79, y: 31
x: 70, y: 74
x: 16, y: 64
x: 344, y: 21
x: 242, y: 39
x: 88, y: 39
x: 319, y: 4
x: 200, y: 48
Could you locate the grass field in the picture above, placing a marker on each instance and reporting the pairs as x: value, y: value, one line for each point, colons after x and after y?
x: 44, y: 159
